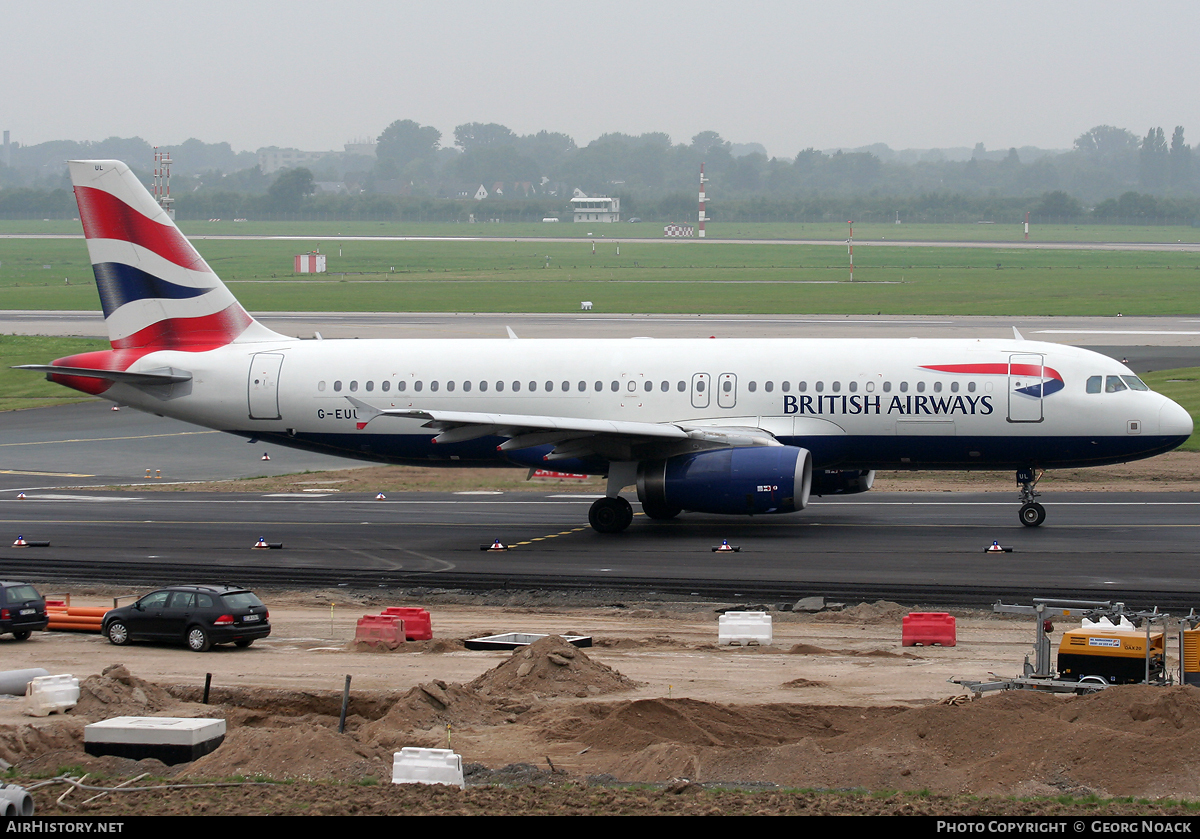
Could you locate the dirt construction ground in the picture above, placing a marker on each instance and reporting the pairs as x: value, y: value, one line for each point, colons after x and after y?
x: 654, y: 718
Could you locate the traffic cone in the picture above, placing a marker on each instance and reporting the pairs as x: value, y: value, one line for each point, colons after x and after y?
x: 266, y: 456
x: 997, y: 548
x: 20, y: 543
x: 726, y: 547
x: 495, y: 546
x: 381, y: 497
x: 261, y: 544
x: 115, y: 408
x: 20, y: 495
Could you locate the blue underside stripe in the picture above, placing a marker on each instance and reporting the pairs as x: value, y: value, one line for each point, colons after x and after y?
x: 120, y: 284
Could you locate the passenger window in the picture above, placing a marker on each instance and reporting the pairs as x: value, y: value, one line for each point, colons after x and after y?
x: 582, y: 387
x: 599, y: 386
x: 970, y: 387
x: 204, y: 601
x: 666, y: 386
x: 937, y: 387
x: 682, y: 386
x: 904, y: 387
x: 337, y: 386
x: 954, y: 387
x: 786, y: 386
x: 614, y: 387
x: 920, y: 387
x: 769, y: 386
x: 854, y: 387
x: 1113, y: 384
x: 354, y: 386
x: 483, y: 387
x: 533, y: 387
x: 182, y: 600
x: 887, y: 387
x: 870, y: 387
x: 499, y: 387
x: 750, y: 386
x: 321, y: 387
x: 385, y: 386
x: 433, y: 386
x: 516, y: 387
x: 401, y: 385
x: 370, y: 386
x: 700, y: 387
x: 417, y: 385
x: 802, y: 387
x: 820, y: 386
x: 450, y: 385
x: 648, y: 387
x: 837, y: 386
x: 467, y: 386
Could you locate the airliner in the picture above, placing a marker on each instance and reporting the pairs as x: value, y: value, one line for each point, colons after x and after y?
x: 744, y: 427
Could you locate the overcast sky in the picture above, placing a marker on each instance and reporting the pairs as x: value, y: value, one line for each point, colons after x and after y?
x: 789, y: 75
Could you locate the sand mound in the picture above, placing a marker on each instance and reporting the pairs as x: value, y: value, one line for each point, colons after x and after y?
x: 550, y: 667
x: 117, y: 692
x: 881, y: 611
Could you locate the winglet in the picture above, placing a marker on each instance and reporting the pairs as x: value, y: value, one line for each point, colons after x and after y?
x: 1018, y: 335
x: 362, y: 409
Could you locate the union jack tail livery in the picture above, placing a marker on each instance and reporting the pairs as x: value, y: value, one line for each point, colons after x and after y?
x: 156, y: 290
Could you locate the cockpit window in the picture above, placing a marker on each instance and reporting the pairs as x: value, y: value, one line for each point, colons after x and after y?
x: 1134, y: 383
x: 1113, y: 384
x: 1093, y: 383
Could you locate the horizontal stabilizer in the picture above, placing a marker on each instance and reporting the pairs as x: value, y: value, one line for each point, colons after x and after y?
x: 160, y: 376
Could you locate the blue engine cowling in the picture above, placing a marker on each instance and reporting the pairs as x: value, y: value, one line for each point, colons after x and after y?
x: 746, y: 481
x: 842, y: 481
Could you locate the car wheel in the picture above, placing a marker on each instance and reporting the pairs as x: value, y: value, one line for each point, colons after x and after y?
x: 22, y: 635
x: 198, y: 640
x: 243, y: 642
x: 117, y: 633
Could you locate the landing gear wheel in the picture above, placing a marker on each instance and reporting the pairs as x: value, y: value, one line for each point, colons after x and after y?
x: 610, y: 515
x: 1032, y: 514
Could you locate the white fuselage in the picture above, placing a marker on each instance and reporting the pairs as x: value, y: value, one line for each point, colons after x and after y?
x: 853, y: 403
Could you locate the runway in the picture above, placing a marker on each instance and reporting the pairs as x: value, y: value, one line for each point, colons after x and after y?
x: 913, y: 547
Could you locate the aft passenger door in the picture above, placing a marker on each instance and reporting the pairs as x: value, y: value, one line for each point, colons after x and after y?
x: 262, y: 386
x: 1025, y: 378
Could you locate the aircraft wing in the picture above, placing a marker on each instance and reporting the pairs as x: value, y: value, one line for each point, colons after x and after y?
x: 573, y: 436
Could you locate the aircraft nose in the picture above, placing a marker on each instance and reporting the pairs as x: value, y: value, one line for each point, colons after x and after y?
x: 1174, y: 421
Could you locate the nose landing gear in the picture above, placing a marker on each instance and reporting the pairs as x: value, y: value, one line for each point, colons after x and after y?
x: 1032, y: 514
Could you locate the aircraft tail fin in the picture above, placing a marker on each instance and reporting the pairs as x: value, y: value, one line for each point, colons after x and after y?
x: 157, y: 292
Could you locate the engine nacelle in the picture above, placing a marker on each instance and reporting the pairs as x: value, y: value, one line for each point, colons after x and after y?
x: 747, y: 481
x: 842, y: 481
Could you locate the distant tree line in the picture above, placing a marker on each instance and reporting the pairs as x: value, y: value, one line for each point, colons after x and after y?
x: 1110, y: 175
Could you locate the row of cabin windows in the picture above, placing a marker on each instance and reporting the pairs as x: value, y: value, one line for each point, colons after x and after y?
x: 726, y: 386
x: 1114, y: 384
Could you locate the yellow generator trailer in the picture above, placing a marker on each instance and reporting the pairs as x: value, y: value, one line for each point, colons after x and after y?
x: 1112, y: 654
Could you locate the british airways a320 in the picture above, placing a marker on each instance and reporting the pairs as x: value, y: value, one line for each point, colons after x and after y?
x: 744, y: 427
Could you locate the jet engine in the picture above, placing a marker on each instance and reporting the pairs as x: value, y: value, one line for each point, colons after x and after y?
x: 746, y: 481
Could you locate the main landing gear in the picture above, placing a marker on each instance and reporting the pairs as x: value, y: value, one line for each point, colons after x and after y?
x: 610, y: 515
x: 1032, y: 514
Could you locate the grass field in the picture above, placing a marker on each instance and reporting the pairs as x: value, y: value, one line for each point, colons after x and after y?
x: 646, y: 276
x: 825, y: 231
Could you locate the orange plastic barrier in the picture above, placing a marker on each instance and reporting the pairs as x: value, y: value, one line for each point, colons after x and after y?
x: 418, y: 626
x: 928, y: 628
x: 380, y: 630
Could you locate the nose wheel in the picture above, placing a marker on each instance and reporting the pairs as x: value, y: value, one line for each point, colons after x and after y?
x: 610, y: 515
x: 1032, y: 513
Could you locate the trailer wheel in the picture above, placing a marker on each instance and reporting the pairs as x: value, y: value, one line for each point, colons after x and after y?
x: 1090, y: 684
